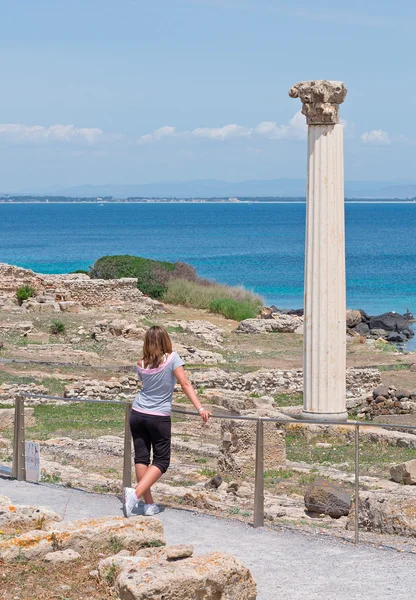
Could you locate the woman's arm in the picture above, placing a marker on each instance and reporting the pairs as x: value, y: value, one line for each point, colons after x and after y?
x: 188, y: 389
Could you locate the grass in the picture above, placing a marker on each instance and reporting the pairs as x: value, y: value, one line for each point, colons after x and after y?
x: 207, y: 472
x: 233, y: 302
x: 278, y: 474
x: 76, y: 420
x: 115, y: 544
x: 289, y: 399
x: 385, y: 346
x: 398, y: 367
x: 153, y: 544
x: 57, y: 327
x: 375, y: 457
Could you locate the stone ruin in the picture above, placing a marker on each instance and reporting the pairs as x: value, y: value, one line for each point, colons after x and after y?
x: 71, y: 292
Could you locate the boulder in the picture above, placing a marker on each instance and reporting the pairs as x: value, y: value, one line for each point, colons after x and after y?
x: 61, y: 556
x: 396, y: 337
x: 14, y: 513
x: 377, y: 333
x: 281, y: 323
x: 328, y: 499
x: 69, y: 306
x: 365, y: 318
x: 353, y: 317
x: 266, y: 313
x: 37, y: 337
x: 83, y: 535
x: 390, y: 321
x: 405, y: 472
x: 216, y: 576
x: 381, y: 390
x: 179, y: 551
x: 362, y: 328
x: 387, y: 511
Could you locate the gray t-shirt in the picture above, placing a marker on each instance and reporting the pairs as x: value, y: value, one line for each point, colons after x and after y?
x: 156, y: 395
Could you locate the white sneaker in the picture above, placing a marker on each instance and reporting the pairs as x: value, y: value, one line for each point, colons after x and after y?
x: 129, y: 501
x: 151, y: 509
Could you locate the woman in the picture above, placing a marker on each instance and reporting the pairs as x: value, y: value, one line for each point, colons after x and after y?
x: 150, y: 421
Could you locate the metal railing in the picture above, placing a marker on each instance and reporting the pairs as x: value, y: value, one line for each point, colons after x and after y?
x: 18, y: 470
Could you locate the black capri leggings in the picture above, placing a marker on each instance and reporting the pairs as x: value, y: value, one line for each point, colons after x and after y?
x: 151, y: 432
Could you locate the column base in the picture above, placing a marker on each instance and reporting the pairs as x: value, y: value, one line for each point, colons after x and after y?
x: 321, y: 416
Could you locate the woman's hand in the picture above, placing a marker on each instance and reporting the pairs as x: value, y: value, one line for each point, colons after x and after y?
x: 205, y: 415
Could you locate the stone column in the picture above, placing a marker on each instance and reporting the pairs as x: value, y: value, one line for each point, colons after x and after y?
x: 325, y: 303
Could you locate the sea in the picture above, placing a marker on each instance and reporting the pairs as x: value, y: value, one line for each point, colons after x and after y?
x: 257, y: 245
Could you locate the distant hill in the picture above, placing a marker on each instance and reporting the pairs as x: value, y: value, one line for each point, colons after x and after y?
x: 215, y: 188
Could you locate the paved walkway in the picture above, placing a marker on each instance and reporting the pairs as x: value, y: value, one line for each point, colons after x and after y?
x: 286, y: 565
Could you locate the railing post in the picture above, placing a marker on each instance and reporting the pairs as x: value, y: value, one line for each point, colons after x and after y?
x: 259, y: 477
x: 357, y: 480
x: 19, y: 449
x: 127, y: 448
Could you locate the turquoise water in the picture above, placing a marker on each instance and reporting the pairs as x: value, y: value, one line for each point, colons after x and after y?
x: 260, y: 246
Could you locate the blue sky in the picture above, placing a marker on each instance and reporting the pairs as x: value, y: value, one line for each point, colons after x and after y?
x: 99, y: 91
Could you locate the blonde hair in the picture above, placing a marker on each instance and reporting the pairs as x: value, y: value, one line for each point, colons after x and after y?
x: 156, y: 344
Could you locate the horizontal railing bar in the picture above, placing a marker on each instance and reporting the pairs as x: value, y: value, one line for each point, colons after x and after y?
x: 5, y: 470
x: 235, y: 417
x: 121, y: 368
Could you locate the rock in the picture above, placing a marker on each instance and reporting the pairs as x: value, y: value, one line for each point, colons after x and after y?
x: 377, y: 333
x: 387, y: 511
x: 39, y: 517
x: 38, y: 338
x: 194, y: 356
x: 362, y: 329
x: 208, y: 332
x: 280, y: 323
x: 266, y: 313
x: 216, y: 576
x: 69, y: 306
x: 179, y: 551
x: 390, y: 321
x: 327, y: 498
x: 83, y: 535
x: 402, y: 394
x: 353, y: 317
x: 381, y: 390
x: 365, y: 318
x: 215, y: 482
x: 396, y: 337
x: 61, y: 556
x: 405, y: 472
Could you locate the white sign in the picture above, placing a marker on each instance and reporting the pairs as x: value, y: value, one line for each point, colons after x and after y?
x: 32, y: 462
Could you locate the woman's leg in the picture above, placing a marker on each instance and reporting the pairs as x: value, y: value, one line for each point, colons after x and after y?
x: 159, y: 429
x: 141, y: 471
x: 149, y: 478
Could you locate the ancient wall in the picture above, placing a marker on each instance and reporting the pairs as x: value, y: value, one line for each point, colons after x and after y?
x: 75, y: 287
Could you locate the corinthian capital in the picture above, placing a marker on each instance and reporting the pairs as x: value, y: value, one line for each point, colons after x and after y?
x: 320, y: 100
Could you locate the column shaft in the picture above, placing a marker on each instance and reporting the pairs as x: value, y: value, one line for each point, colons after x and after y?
x: 325, y: 303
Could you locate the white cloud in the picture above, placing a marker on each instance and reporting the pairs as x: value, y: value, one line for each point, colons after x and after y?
x: 18, y: 133
x: 221, y: 133
x: 295, y: 129
x: 158, y: 134
x: 377, y: 137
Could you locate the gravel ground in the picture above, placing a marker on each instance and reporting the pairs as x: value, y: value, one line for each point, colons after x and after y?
x: 286, y: 565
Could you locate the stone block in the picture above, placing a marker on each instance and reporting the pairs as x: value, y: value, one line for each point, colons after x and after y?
x: 390, y: 512
x: 61, y: 556
x: 327, y: 498
x: 69, y: 306
x: 405, y: 472
x: 215, y: 575
x: 83, y: 535
x: 38, y: 338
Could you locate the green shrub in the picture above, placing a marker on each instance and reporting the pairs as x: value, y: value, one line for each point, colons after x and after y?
x: 23, y: 293
x: 235, y: 309
x: 152, y: 275
x: 57, y: 327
